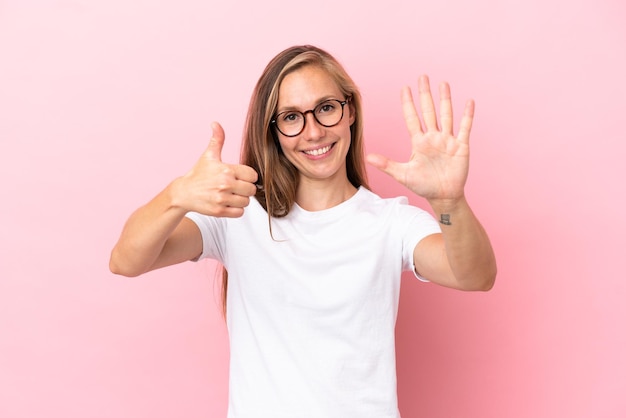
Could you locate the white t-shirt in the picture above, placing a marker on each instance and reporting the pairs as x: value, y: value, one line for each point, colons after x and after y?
x: 311, y: 313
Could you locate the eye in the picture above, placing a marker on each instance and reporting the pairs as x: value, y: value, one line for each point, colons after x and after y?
x: 290, y: 117
x: 326, y: 107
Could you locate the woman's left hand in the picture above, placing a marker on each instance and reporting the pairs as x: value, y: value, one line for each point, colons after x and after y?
x: 439, y: 163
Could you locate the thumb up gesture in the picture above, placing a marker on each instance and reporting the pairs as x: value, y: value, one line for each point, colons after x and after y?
x: 213, y: 187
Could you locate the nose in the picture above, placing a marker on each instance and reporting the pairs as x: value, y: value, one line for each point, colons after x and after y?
x: 312, y: 128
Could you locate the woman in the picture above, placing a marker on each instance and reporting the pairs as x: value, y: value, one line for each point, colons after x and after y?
x: 313, y: 257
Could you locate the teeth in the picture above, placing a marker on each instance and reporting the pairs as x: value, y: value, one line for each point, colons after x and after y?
x: 318, y: 151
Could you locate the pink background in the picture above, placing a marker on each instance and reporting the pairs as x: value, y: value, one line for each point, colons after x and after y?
x: 103, y: 103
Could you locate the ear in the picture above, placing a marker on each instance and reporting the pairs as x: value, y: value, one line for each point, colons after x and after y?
x: 352, y: 112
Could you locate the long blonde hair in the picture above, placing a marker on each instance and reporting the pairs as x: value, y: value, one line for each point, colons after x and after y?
x: 278, y: 178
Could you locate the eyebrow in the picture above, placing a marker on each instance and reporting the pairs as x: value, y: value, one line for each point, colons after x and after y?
x: 319, y: 101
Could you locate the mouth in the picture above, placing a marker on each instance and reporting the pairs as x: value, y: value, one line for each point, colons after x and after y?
x: 318, y: 151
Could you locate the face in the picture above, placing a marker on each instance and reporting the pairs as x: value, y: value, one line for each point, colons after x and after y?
x: 318, y: 152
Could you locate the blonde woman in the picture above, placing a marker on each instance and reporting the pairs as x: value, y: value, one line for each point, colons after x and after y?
x: 312, y: 258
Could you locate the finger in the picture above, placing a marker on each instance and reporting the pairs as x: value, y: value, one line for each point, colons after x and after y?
x: 411, y: 117
x: 229, y: 212
x: 214, y: 150
x: 426, y: 103
x: 227, y: 204
x: 244, y: 188
x: 384, y: 164
x: 466, y: 122
x: 377, y: 160
x: 229, y: 183
x: 445, y: 109
x: 245, y: 173
x: 236, y: 201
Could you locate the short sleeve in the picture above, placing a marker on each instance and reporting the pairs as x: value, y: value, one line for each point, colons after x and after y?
x: 212, y: 232
x: 416, y: 224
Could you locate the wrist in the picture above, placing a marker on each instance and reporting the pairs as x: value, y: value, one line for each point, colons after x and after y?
x: 448, y: 211
x: 175, y: 195
x: 447, y: 206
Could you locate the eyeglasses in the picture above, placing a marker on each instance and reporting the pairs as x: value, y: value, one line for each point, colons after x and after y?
x: 328, y: 113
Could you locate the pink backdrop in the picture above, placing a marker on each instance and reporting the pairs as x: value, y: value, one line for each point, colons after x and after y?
x: 102, y: 103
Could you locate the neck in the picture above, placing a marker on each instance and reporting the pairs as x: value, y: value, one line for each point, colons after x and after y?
x: 319, y: 195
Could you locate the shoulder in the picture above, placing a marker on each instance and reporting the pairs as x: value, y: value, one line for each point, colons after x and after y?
x: 253, y: 216
x: 401, y: 216
x: 396, y: 206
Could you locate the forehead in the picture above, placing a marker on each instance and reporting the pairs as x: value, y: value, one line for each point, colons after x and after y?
x: 306, y: 87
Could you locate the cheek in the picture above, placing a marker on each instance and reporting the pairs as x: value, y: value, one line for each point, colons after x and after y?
x: 284, y: 144
x: 286, y: 148
x: 348, y: 135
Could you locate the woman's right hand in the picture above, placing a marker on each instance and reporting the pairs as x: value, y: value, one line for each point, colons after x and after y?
x: 213, y: 187
x: 158, y: 234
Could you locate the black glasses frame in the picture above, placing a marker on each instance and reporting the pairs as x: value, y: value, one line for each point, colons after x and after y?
x: 312, y: 111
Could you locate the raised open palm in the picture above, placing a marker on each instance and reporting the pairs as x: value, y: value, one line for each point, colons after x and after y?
x: 439, y: 162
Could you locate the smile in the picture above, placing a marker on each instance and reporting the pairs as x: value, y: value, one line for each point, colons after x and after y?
x: 319, y: 151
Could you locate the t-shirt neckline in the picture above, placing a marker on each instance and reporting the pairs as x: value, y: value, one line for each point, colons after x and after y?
x: 334, y: 212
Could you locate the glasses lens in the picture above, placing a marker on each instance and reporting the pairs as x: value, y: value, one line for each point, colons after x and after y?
x: 329, y: 112
x: 290, y: 123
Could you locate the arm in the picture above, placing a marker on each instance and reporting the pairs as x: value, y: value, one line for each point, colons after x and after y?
x: 461, y: 256
x: 158, y: 234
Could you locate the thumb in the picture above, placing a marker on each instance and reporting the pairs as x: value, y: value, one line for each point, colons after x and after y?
x: 214, y: 150
x: 385, y: 165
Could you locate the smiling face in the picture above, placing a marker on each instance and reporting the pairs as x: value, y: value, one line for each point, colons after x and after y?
x: 318, y: 152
